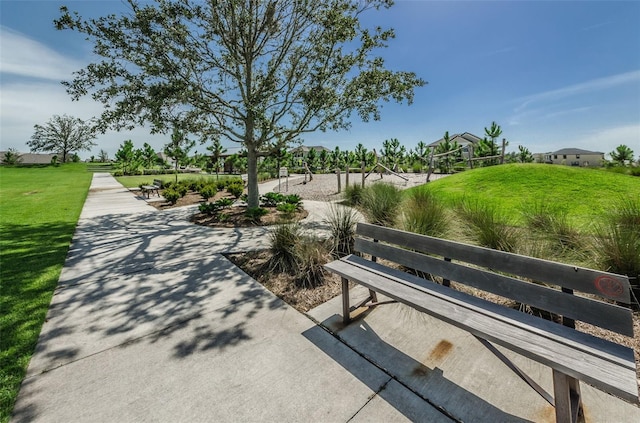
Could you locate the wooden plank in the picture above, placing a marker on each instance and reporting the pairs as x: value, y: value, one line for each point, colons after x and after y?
x: 606, y: 365
x: 604, y: 284
x: 609, y: 316
x: 579, y: 340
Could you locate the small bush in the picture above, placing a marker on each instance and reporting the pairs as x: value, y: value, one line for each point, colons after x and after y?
x: 208, y: 191
x: 224, y: 202
x: 235, y: 189
x: 380, y: 203
x: 342, y: 222
x: 353, y: 194
x: 287, y: 209
x: 209, y: 208
x: 221, y: 184
x: 424, y: 214
x: 272, y: 199
x: 417, y: 168
x: 487, y: 226
x: 171, y: 195
x: 294, y: 199
x: 254, y: 214
x: 182, y: 189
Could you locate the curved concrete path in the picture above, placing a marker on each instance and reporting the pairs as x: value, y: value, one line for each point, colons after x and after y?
x: 150, y: 322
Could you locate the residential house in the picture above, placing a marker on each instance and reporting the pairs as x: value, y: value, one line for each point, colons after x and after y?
x: 572, y: 157
x: 464, y: 140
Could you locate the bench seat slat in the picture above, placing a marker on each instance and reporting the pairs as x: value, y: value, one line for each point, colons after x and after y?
x: 540, y: 270
x: 608, y: 316
x: 599, y: 362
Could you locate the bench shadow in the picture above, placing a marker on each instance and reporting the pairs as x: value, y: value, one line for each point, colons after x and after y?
x: 421, y: 380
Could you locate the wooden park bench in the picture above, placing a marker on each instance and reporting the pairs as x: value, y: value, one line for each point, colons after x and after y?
x: 572, y: 355
x: 148, y: 189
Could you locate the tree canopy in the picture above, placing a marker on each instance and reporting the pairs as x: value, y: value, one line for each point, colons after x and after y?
x: 260, y: 73
x: 62, y: 135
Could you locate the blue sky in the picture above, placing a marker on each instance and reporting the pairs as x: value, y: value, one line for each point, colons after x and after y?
x: 552, y: 74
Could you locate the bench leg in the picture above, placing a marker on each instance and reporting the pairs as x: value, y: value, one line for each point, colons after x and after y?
x: 346, y: 313
x: 568, y: 401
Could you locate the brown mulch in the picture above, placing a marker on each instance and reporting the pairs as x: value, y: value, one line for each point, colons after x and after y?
x: 284, y: 285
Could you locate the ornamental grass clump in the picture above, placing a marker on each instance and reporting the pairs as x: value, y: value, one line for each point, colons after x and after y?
x: 311, y: 255
x: 380, y: 203
x: 342, y: 223
x: 487, y: 226
x: 616, y: 245
x: 353, y: 194
x: 424, y: 214
x: 283, y: 240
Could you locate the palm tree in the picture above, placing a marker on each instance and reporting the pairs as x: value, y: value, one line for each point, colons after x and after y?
x: 622, y: 154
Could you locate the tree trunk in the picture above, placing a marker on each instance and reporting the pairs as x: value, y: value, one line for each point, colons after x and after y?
x: 252, y: 176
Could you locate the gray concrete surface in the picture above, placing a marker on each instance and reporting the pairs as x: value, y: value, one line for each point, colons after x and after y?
x: 150, y: 322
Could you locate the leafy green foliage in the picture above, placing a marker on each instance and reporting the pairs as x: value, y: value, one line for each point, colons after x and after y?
x: 171, y: 195
x: 64, y: 135
x: 287, y: 209
x: 260, y: 73
x: 255, y: 213
x: 208, y: 191
x: 235, y: 189
x: 12, y: 157
x: 272, y: 199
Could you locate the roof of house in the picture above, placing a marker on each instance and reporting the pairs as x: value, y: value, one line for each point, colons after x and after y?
x: 32, y: 158
x: 574, y: 151
x: 462, y: 139
x: 305, y: 149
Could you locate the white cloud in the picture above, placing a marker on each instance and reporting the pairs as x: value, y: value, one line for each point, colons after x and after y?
x: 577, y: 89
x: 25, y: 57
x: 607, y: 139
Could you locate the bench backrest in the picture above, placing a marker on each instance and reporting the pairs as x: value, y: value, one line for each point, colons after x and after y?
x: 539, y: 283
x: 157, y: 182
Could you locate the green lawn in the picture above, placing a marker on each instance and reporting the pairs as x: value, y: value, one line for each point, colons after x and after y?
x: 585, y: 193
x: 39, y: 207
x: 137, y: 180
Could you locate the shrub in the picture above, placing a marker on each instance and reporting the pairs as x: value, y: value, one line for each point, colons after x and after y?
x: 208, y: 191
x: 171, y: 195
x: 272, y: 199
x: 254, y: 214
x: 353, y: 194
x: 417, y: 167
x: 424, y: 214
x: 221, y: 184
x: 342, y: 222
x: 182, y: 189
x: 209, y: 208
x: 380, y: 203
x: 235, y: 189
x: 282, y: 244
x: 287, y: 209
x: 294, y: 199
x: 487, y: 226
x: 224, y: 202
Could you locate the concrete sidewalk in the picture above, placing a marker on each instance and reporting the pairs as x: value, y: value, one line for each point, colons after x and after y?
x: 150, y: 322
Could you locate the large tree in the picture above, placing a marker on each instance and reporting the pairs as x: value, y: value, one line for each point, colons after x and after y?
x: 255, y: 72
x: 62, y: 135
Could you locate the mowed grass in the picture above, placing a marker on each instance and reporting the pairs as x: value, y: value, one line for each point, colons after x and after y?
x: 39, y: 209
x: 137, y: 180
x: 586, y: 194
